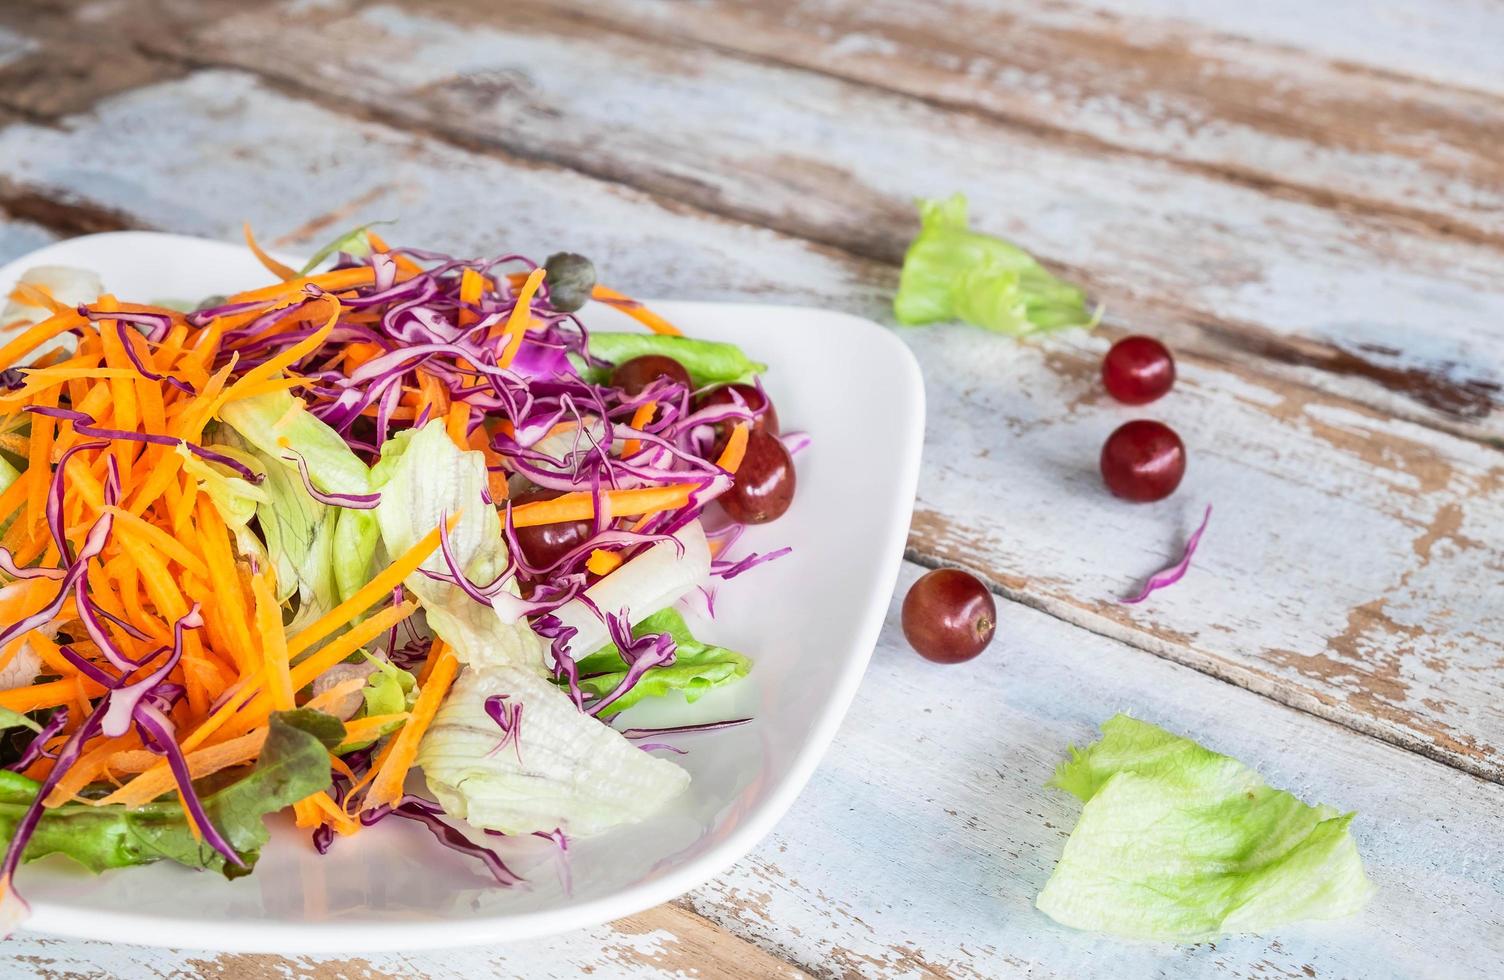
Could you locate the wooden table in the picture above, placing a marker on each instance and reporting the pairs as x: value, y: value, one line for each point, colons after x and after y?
x: 1305, y: 199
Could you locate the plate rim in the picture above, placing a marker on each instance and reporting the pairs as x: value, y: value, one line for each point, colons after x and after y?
x: 332, y: 936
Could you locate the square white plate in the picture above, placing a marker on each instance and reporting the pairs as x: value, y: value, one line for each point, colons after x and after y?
x: 809, y: 621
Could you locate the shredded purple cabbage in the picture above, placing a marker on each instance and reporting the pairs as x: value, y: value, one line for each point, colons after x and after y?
x: 1166, y: 577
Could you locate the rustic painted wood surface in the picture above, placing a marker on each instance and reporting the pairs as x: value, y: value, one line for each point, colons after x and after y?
x: 1308, y: 206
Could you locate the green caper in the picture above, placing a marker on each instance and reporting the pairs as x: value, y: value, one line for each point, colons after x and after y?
x: 569, y: 278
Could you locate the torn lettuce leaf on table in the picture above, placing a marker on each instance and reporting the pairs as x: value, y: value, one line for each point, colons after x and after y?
x: 953, y: 273
x: 1178, y: 843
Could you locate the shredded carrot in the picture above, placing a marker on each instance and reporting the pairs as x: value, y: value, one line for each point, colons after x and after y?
x: 736, y: 449
x: 276, y: 268
x: 456, y: 423
x: 329, y: 698
x: 640, y: 418
x: 369, y: 594
x: 404, y: 264
x: 603, y: 562
x: 33, y: 337
x: 369, y: 728
x: 87, y: 768
x: 36, y: 294
x: 39, y: 458
x: 496, y: 478
x: 517, y: 320
x: 331, y: 282
x: 635, y: 310
x: 471, y: 286
x: 150, y: 534
x: 387, y: 786
x: 251, y: 704
x: 273, y: 643
x: 578, y: 506
x: 435, y: 651
x: 154, y: 781
x: 46, y: 695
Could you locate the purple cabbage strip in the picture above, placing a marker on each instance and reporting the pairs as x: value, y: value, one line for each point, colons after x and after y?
x: 651, y: 746
x: 8, y: 566
x: 157, y: 733
x: 34, y: 749
x: 123, y: 701
x: 140, y: 365
x: 508, y: 718
x: 641, y: 654
x: 709, y: 726
x: 1166, y: 577
x: 84, y: 426
x: 350, y: 501
x: 730, y: 569
x: 431, y: 816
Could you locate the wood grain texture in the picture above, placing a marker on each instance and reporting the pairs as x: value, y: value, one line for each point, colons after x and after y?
x: 1368, y: 306
x: 920, y: 843
x: 1281, y: 120
x: 1350, y: 569
x: 665, y: 941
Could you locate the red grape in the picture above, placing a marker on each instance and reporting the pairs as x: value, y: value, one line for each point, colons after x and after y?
x: 753, y: 398
x: 634, y: 375
x: 764, y: 483
x: 1138, y: 370
x: 1143, y: 460
x: 544, y: 544
x: 949, y: 616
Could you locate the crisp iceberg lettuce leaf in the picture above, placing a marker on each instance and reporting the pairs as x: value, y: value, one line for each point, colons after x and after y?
x: 697, y: 666
x: 424, y: 479
x: 277, y: 422
x: 312, y: 558
x: 1176, y: 842
x: 950, y: 272
x: 565, y: 770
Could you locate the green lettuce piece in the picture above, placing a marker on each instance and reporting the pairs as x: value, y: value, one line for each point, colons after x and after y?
x: 424, y: 479
x: 294, y: 763
x: 354, y: 242
x: 697, y: 666
x: 312, y: 559
x: 950, y: 272
x: 707, y: 361
x: 14, y: 719
x: 563, y: 769
x: 266, y: 421
x: 1176, y: 842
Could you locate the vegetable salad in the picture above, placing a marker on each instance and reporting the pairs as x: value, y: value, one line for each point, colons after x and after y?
x: 291, y: 548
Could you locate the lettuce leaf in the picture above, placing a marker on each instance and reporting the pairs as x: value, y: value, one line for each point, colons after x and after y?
x: 707, y: 361
x: 950, y: 272
x: 356, y: 243
x: 312, y: 558
x: 424, y: 478
x: 697, y: 666
x: 1176, y: 842
x: 565, y: 770
x: 294, y: 764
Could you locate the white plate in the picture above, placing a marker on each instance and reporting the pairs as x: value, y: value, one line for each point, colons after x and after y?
x: 809, y: 621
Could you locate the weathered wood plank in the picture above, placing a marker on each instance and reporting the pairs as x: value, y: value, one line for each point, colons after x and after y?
x: 666, y: 941
x: 1366, y: 306
x: 56, y: 59
x: 1282, y: 120
x: 922, y: 840
x: 920, y: 843
x: 1450, y: 41
x: 18, y: 237
x: 1349, y: 569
